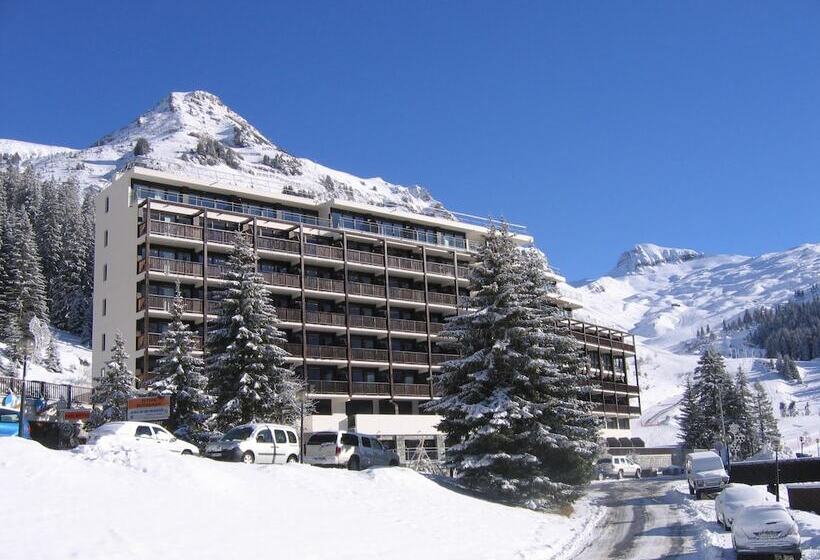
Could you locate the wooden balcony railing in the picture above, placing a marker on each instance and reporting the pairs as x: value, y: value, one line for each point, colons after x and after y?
x: 277, y: 244
x: 463, y: 271
x: 405, y: 357
x: 366, y: 322
x: 406, y: 294
x: 170, y: 229
x: 166, y: 303
x: 440, y: 269
x: 441, y: 358
x: 437, y: 298
x: 217, y: 271
x: 327, y: 352
x: 289, y: 314
x: 371, y: 388
x: 154, y: 341
x: 325, y: 318
x: 405, y: 264
x: 363, y: 257
x: 362, y: 289
x: 282, y: 279
x: 171, y: 266
x: 327, y: 387
x: 616, y: 387
x: 368, y: 354
x: 411, y: 389
x: 436, y: 328
x: 293, y: 348
x: 408, y: 325
x: 324, y: 251
x: 222, y: 236
x: 324, y: 284
x: 616, y: 409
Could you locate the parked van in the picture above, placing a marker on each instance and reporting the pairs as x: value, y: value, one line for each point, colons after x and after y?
x: 617, y: 467
x: 705, y: 473
x: 349, y: 450
x: 256, y: 443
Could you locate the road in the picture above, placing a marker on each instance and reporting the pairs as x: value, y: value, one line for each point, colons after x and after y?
x: 646, y: 520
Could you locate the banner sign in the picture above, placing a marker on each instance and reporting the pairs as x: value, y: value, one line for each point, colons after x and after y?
x: 149, y: 408
x: 76, y: 414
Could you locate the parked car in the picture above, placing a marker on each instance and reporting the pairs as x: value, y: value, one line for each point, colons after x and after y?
x: 733, y: 499
x: 346, y: 449
x: 673, y: 470
x: 705, y: 473
x: 617, y: 467
x: 256, y: 443
x: 766, y: 529
x: 10, y: 423
x: 144, y: 433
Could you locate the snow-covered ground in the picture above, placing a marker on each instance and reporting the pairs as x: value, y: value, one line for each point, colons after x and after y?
x: 75, y: 359
x: 114, y: 502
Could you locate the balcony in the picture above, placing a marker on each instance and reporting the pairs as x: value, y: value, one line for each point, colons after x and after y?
x: 166, y: 303
x: 368, y: 354
x: 463, y: 272
x: 440, y: 269
x: 154, y: 342
x: 439, y: 359
x: 277, y: 244
x: 292, y: 348
x: 405, y: 357
x: 411, y: 390
x: 217, y: 271
x: 408, y: 325
x: 370, y: 388
x: 282, y: 279
x: 436, y: 298
x: 436, y: 328
x: 222, y: 236
x: 170, y: 229
x: 324, y: 284
x: 327, y: 352
x: 366, y: 322
x: 327, y: 387
x: 602, y: 408
x: 613, y: 387
x: 406, y: 294
x: 289, y: 314
x: 325, y: 318
x: 363, y: 257
x: 324, y: 251
x: 170, y: 266
x: 403, y: 263
x: 362, y: 289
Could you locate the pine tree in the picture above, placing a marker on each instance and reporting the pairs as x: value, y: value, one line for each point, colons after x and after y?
x: 247, y: 372
x: 714, y: 391
x: 52, y: 361
x: 115, y: 387
x: 691, y: 419
x: 741, y: 410
x: 515, y: 423
x: 765, y: 421
x: 179, y: 374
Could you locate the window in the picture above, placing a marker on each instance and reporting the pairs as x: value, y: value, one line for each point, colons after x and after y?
x: 264, y: 436
x: 377, y: 444
x: 350, y: 439
x: 107, y: 204
x: 326, y: 437
x: 105, y: 272
x: 291, y: 437
x: 366, y: 442
x: 105, y: 238
x: 280, y: 436
x: 103, y: 342
x: 105, y: 307
x: 144, y: 431
x: 162, y: 434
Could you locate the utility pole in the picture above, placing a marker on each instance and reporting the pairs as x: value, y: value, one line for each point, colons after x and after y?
x: 26, y: 346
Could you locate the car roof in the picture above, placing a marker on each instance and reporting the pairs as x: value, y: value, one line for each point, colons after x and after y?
x: 703, y: 455
x: 255, y: 425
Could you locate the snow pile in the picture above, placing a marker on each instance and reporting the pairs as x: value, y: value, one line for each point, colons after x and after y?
x: 648, y: 254
x: 114, y: 501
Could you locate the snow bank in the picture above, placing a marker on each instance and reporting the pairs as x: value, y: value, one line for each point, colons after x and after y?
x: 115, y: 501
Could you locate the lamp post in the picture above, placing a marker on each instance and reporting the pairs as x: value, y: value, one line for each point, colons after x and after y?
x: 26, y: 347
x: 302, y: 397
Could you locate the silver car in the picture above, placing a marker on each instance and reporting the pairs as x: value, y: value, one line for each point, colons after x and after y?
x: 766, y: 529
x: 348, y: 450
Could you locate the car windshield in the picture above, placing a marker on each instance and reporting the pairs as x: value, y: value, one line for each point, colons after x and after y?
x: 319, y: 439
x: 742, y: 494
x: 707, y: 464
x: 238, y: 434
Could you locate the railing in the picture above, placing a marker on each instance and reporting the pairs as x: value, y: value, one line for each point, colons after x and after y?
x: 166, y: 303
x: 438, y: 298
x: 366, y: 322
x: 616, y: 387
x: 170, y: 266
x: 282, y: 279
x: 154, y: 340
x: 399, y: 232
x: 324, y: 251
x: 327, y: 352
x: 292, y: 348
x: 408, y: 325
x: 368, y: 354
x: 601, y: 336
x: 223, y: 236
x: 371, y: 388
x: 607, y: 408
x: 276, y: 244
x: 46, y: 391
x: 405, y: 357
x: 325, y: 318
x: 363, y: 257
x: 324, y: 284
x: 436, y: 328
x: 171, y: 229
x: 439, y: 359
x: 405, y: 263
x: 327, y: 387
x: 212, y: 306
x: 411, y: 390
x: 406, y: 294
x: 440, y: 269
x: 362, y: 289
x: 289, y: 314
x: 463, y: 272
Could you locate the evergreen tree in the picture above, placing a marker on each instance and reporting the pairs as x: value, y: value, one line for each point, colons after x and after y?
x: 515, y: 422
x: 52, y: 361
x: 114, y: 388
x: 691, y: 419
x: 247, y: 372
x: 741, y: 409
x: 714, y: 390
x: 763, y: 414
x: 179, y: 374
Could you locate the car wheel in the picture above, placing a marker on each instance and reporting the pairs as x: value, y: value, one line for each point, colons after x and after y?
x: 248, y: 458
x: 697, y: 494
x: 620, y: 474
x: 691, y: 490
x: 187, y: 452
x: 293, y: 459
x: 353, y: 464
x: 638, y: 473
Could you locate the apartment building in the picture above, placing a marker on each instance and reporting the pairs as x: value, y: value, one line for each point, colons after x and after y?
x: 362, y: 293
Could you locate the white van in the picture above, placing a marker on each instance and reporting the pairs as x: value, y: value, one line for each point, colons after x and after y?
x: 256, y: 443
x: 705, y: 473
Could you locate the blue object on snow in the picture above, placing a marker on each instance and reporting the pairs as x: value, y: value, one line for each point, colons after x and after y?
x: 10, y: 423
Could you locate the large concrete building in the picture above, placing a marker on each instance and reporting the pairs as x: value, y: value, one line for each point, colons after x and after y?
x: 362, y: 292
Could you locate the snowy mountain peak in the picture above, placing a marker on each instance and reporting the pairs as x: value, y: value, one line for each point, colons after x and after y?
x: 648, y: 254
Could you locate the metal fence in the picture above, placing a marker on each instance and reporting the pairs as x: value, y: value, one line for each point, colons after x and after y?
x: 71, y: 394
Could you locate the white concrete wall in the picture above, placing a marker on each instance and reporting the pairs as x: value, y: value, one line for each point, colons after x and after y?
x: 397, y: 424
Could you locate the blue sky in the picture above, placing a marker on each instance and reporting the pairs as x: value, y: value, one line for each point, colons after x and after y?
x: 597, y: 124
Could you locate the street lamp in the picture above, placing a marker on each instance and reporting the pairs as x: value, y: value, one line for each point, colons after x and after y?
x: 26, y: 347
x: 302, y: 396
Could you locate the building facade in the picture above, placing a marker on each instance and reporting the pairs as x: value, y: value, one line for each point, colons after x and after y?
x: 362, y: 293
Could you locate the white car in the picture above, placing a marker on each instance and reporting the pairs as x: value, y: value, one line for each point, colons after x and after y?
x: 617, y: 467
x: 256, y: 443
x: 705, y: 473
x: 143, y: 433
x: 733, y: 499
x: 347, y: 449
x: 766, y: 529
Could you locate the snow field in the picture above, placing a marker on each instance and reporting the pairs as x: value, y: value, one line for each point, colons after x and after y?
x: 116, y: 502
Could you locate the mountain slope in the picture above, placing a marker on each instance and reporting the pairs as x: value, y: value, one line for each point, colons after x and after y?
x: 195, y: 132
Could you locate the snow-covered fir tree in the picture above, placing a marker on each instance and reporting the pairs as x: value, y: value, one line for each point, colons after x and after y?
x: 744, y: 436
x: 768, y: 432
x: 52, y: 358
x: 714, y: 391
x: 516, y: 425
x: 690, y: 419
x: 248, y: 375
x: 180, y: 375
x: 114, y: 387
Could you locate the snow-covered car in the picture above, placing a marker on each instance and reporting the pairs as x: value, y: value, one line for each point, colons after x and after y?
x: 766, y: 529
x: 705, y: 473
x: 256, y: 443
x: 617, y: 467
x: 733, y: 499
x: 673, y: 470
x: 346, y: 449
x: 143, y: 433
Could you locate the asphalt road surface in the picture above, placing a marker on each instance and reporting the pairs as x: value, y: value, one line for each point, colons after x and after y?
x: 645, y: 521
